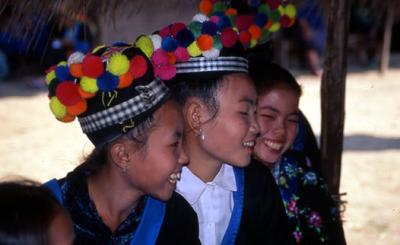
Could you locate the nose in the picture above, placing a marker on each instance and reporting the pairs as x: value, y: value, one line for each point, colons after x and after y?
x: 279, y: 127
x: 254, y: 127
x: 183, y: 157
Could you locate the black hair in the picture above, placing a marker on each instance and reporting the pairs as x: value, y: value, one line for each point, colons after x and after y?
x: 26, y: 212
x: 267, y: 75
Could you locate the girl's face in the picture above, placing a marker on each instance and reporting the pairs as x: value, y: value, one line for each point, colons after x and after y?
x: 61, y: 229
x: 156, y: 169
x: 231, y: 135
x: 277, y: 116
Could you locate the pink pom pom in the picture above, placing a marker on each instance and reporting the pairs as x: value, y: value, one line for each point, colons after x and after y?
x: 160, y: 57
x: 181, y: 54
x: 214, y: 19
x: 228, y: 37
x: 166, y: 72
x: 164, y: 32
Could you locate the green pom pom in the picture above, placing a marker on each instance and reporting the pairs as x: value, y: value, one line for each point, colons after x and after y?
x: 89, y: 85
x: 264, y: 36
x: 50, y: 76
x: 146, y: 45
x: 275, y: 27
x: 275, y: 15
x: 59, y: 110
x: 118, y: 64
x: 217, y: 42
x: 253, y: 43
x: 62, y: 63
x: 281, y: 10
x: 195, y: 28
x: 264, y: 8
x: 290, y: 10
x: 219, y: 7
x: 194, y: 50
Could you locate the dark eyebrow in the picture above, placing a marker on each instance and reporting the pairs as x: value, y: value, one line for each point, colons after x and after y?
x: 248, y: 100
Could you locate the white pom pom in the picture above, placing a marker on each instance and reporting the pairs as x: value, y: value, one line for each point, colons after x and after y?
x: 212, y: 53
x: 156, y: 40
x: 200, y: 18
x: 75, y: 58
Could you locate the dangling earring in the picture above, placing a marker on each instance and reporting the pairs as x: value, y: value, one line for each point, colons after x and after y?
x: 125, y: 168
x: 202, y: 136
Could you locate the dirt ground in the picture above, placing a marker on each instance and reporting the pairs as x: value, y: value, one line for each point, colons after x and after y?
x: 35, y: 145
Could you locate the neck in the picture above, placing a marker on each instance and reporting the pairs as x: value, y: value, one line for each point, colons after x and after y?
x: 113, y: 198
x: 201, y: 164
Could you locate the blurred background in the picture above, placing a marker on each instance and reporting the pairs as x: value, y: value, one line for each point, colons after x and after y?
x: 35, y: 35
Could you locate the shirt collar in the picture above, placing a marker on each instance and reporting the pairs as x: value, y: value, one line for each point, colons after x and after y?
x: 192, y: 187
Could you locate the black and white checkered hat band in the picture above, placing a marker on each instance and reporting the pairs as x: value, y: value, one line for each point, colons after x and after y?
x: 149, y: 96
x: 221, y: 63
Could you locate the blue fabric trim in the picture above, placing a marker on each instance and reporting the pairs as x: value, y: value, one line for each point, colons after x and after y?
x: 53, y: 186
x: 150, y: 225
x: 298, y: 144
x: 238, y: 200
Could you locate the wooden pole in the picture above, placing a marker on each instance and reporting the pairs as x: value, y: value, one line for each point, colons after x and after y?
x: 333, y: 95
x: 387, y: 36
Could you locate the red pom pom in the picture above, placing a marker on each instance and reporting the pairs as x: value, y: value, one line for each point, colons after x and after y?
x: 165, y: 32
x: 244, y: 38
x: 92, y: 66
x: 243, y: 22
x: 228, y: 37
x: 175, y: 28
x: 273, y: 4
x: 166, y: 72
x: 205, y: 42
x: 138, y: 66
x: 285, y: 21
x: 182, y: 54
x: 159, y: 57
x: 67, y: 93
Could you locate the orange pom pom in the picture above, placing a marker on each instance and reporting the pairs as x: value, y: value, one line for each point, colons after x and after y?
x: 171, y: 58
x: 125, y: 80
x: 205, y: 42
x: 231, y: 12
x: 77, y: 109
x: 66, y: 119
x: 76, y: 70
x: 255, y: 32
x: 85, y: 94
x: 205, y: 7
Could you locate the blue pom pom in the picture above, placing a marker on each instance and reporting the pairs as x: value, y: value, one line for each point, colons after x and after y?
x: 107, y: 82
x: 169, y: 44
x: 209, y: 28
x: 184, y: 38
x: 62, y: 73
x: 261, y: 19
x: 119, y: 44
x: 218, y: 13
x: 223, y: 23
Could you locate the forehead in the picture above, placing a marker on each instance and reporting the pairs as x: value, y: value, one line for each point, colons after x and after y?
x: 238, y: 87
x: 169, y: 116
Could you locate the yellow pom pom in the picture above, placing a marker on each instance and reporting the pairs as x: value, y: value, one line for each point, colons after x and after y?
x: 62, y: 63
x: 146, y: 45
x: 118, y: 64
x: 97, y: 48
x: 290, y: 10
x: 281, y: 9
x: 194, y: 50
x: 253, y: 43
x: 50, y: 76
x: 275, y: 27
x: 59, y: 110
x: 89, y: 85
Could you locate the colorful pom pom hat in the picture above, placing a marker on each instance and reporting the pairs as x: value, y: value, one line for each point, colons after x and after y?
x: 109, y: 90
x: 216, y: 39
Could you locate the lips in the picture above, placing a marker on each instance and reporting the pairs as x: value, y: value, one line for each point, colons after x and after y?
x: 175, y: 177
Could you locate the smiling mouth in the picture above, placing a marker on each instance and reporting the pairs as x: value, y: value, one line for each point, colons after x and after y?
x: 248, y: 144
x: 175, y: 177
x: 274, y: 145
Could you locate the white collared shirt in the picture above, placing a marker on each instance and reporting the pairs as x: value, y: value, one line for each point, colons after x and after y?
x: 212, y: 201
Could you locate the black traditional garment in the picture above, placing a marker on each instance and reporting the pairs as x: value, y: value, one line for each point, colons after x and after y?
x: 313, y: 215
x: 151, y: 222
x: 263, y: 218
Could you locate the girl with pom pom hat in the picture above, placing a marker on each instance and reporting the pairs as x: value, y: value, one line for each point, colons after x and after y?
x: 235, y: 204
x: 123, y: 193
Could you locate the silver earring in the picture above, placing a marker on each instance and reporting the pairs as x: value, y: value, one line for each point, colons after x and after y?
x: 202, y: 136
x: 125, y: 168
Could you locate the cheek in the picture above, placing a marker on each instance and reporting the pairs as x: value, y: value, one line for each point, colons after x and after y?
x: 291, y: 133
x: 264, y: 125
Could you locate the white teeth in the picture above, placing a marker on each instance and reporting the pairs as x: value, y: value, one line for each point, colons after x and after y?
x: 173, y: 178
x: 273, y: 145
x: 248, y: 144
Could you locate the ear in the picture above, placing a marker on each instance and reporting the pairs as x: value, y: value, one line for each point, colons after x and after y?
x: 194, y: 114
x: 119, y: 153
